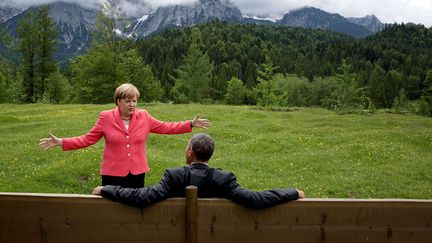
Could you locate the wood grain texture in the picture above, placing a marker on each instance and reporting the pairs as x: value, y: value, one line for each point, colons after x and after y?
x: 80, y: 218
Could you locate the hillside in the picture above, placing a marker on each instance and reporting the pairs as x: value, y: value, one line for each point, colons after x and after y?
x: 238, y: 50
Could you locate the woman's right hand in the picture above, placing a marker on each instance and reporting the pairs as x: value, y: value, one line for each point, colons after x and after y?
x: 52, y: 141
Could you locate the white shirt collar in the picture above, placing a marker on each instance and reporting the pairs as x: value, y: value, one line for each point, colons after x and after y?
x: 199, y: 163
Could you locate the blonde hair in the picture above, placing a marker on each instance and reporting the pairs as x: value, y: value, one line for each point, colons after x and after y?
x: 126, y: 91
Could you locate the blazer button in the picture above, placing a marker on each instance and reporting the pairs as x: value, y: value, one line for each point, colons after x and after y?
x: 127, y: 136
x: 129, y: 155
x: 128, y: 145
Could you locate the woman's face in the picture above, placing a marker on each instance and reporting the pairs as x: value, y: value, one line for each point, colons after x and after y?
x: 127, y: 106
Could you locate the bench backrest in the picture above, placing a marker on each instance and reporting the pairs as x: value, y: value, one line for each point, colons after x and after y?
x: 66, y: 218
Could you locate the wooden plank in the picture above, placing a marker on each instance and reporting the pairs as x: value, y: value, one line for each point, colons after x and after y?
x: 96, y: 232
x: 303, y: 212
x: 82, y: 209
x: 346, y: 234
x: 85, y: 218
x: 88, y: 219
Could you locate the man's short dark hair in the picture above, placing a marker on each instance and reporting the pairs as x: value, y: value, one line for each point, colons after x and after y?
x: 202, y: 145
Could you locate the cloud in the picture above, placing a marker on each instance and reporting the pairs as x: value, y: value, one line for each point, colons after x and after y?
x: 28, y: 3
x: 159, y: 3
x: 133, y: 8
x: 130, y: 4
x: 388, y: 11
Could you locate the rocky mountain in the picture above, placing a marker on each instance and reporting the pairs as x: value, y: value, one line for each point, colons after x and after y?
x: 371, y: 22
x: 184, y: 15
x: 313, y: 18
x: 132, y: 9
x: 75, y: 25
x: 8, y: 12
x: 76, y: 22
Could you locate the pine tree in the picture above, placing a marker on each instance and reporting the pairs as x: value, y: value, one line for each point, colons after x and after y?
x: 3, y: 86
x: 6, y: 49
x: 3, y: 70
x: 392, y: 86
x: 108, y: 63
x: 96, y: 74
x: 266, y: 88
x: 376, y: 87
x: 37, y: 39
x: 46, y: 41
x: 428, y: 80
x: 28, y: 43
x: 194, y: 75
x: 141, y: 76
x: 108, y: 21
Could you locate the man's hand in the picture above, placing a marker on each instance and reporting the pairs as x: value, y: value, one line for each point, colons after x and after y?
x: 301, y: 193
x: 97, y: 190
x: 200, y: 123
x: 52, y: 141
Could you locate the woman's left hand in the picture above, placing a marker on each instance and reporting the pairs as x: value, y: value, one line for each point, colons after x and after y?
x: 200, y: 123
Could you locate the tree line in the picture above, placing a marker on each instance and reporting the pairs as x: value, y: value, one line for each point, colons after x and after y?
x: 217, y: 62
x: 282, y: 66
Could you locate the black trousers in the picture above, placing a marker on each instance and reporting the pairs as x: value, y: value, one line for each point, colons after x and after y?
x: 129, y: 181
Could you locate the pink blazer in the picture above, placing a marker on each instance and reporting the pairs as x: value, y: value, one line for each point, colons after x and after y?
x: 125, y: 150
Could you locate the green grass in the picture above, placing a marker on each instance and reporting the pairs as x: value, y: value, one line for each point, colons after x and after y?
x: 325, y: 154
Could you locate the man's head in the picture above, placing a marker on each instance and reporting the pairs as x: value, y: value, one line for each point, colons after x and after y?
x: 200, y: 148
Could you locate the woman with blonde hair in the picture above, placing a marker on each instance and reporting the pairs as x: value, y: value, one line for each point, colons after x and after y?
x: 125, y: 129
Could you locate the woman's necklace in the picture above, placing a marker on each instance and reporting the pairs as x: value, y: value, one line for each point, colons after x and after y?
x: 124, y: 119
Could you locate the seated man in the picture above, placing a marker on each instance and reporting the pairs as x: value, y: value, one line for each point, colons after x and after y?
x: 211, y: 182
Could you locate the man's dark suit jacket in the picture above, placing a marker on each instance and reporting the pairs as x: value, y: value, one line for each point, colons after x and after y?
x: 211, y: 182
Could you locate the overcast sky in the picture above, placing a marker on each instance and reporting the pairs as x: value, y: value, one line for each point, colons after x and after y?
x: 388, y: 11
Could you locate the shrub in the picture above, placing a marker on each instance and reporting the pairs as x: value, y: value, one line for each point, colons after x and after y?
x: 236, y: 92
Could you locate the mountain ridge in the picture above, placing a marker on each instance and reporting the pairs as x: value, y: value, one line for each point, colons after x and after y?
x: 76, y: 23
x: 185, y: 15
x: 371, y: 22
x: 314, y: 18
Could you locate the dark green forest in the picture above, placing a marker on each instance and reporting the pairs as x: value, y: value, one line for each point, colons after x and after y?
x: 217, y: 62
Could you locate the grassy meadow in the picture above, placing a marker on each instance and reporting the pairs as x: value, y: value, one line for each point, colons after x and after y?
x: 318, y: 151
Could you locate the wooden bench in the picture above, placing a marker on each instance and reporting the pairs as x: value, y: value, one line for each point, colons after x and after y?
x: 29, y: 217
